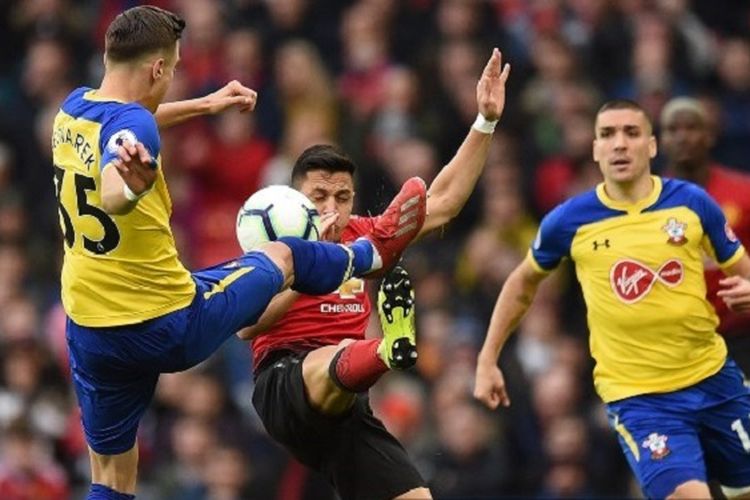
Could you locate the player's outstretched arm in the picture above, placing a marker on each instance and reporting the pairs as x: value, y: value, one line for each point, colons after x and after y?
x: 735, y: 290
x: 455, y: 182
x: 231, y: 95
x: 513, y: 302
x: 132, y: 177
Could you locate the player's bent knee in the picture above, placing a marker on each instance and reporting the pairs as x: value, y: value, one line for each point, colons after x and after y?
x: 281, y: 255
x: 118, y: 472
x: 322, y: 393
x: 691, y: 489
x: 415, y: 494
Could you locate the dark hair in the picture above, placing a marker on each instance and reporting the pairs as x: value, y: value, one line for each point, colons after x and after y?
x: 141, y: 30
x: 321, y: 157
x: 624, y: 104
x: 620, y: 104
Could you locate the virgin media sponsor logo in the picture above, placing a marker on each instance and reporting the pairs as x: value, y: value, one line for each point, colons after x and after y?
x: 632, y: 280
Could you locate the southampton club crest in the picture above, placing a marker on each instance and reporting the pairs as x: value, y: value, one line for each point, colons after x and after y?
x: 657, y: 444
x: 676, y: 231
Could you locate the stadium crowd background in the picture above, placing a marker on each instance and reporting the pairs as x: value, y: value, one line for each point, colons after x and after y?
x: 393, y: 82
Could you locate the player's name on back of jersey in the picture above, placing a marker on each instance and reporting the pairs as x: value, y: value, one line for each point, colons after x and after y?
x: 63, y: 135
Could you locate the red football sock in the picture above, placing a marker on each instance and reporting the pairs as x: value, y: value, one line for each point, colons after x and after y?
x: 358, y: 366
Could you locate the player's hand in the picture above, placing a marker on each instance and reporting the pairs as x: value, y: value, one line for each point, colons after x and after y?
x: 489, y: 386
x: 135, y: 166
x: 328, y: 226
x: 232, y: 95
x: 491, y: 87
x: 736, y: 293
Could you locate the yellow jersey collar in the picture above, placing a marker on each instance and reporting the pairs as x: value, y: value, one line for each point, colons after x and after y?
x: 91, y: 95
x: 626, y: 206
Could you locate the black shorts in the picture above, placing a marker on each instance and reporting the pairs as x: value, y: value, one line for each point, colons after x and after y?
x: 353, y: 451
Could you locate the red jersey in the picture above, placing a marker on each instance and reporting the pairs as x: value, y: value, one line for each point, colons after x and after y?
x: 319, y: 320
x: 730, y: 190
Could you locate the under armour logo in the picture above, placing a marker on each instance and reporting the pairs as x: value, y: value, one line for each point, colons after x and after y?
x: 604, y: 244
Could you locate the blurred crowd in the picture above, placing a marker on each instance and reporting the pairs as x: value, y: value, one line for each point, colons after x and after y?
x: 393, y: 82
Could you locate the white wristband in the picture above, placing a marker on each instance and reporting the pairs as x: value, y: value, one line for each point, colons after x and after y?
x: 130, y: 195
x: 483, y: 125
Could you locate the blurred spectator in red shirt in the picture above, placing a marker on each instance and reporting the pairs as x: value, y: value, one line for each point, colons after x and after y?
x: 27, y: 471
x: 232, y: 171
x: 572, y: 171
x: 203, y: 42
x: 686, y: 140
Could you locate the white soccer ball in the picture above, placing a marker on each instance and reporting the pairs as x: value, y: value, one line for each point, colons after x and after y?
x: 273, y: 212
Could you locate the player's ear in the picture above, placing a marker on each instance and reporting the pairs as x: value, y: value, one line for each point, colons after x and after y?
x: 594, y: 153
x: 652, y: 148
x: 157, y: 68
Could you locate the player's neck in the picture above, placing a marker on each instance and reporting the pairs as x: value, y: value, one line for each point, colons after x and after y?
x: 119, y: 84
x: 630, y: 192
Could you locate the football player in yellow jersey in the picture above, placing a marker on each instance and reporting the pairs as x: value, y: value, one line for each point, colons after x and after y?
x: 675, y: 399
x: 133, y: 309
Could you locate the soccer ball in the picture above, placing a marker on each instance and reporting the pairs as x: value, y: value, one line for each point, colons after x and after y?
x: 273, y: 212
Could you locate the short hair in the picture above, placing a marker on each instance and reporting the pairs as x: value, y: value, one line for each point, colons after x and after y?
x: 624, y: 104
x: 620, y: 104
x: 321, y: 157
x: 140, y: 31
x: 683, y: 104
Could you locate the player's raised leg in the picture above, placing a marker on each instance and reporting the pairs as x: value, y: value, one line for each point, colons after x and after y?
x: 316, y: 268
x: 333, y: 375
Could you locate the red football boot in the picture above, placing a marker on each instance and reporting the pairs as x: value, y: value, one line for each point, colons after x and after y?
x: 399, y: 224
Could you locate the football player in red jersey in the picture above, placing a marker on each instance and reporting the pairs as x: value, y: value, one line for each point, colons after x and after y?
x: 686, y: 141
x: 313, y: 364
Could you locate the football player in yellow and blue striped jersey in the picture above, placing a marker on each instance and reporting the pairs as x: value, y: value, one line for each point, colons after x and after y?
x: 133, y: 309
x: 676, y: 400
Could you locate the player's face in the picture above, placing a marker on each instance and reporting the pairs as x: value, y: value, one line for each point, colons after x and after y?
x: 685, y: 139
x: 624, y: 145
x: 331, y: 192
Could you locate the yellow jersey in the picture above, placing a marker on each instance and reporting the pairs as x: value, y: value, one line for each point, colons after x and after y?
x: 640, y: 267
x: 117, y: 269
